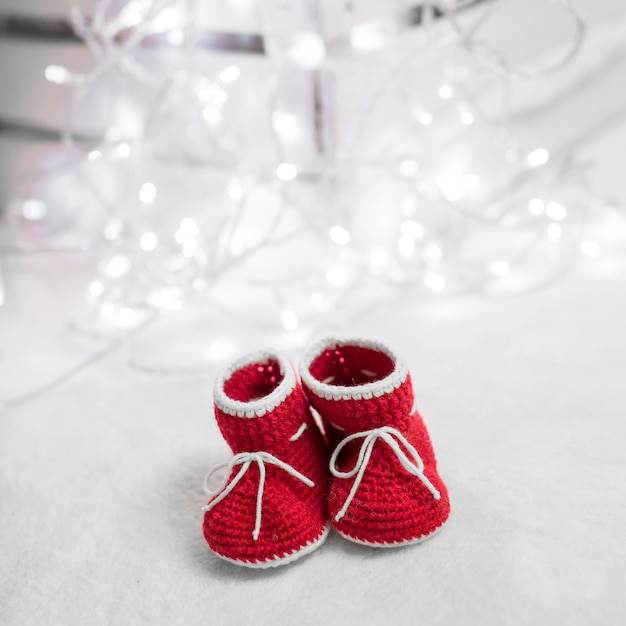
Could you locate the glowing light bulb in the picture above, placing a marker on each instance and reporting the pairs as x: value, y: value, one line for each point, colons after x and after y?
x: 339, y: 235
x: 168, y: 299
x: 320, y: 302
x: 107, y: 310
x: 379, y: 258
x: 512, y: 155
x: 212, y: 115
x: 336, y: 276
x: 148, y: 242
x: 289, y: 319
x: 285, y: 124
x: 127, y: 316
x: 115, y: 266
x: 467, y: 118
x: 113, y: 133
x: 198, y: 284
x: 123, y: 150
x: 472, y: 182
x: 220, y: 96
x: 34, y: 210
x: 188, y: 227
x: 190, y: 247
x: 169, y: 18
x: 306, y: 50
x: 444, y: 92
x: 113, y: 229
x: 406, y: 246
x: 408, y: 205
x: 590, y: 249
x: 94, y: 155
x: 147, y: 193
x: 556, y: 211
x: 434, y: 281
x: 230, y: 74
x: 451, y: 186
x: 536, y: 206
x: 96, y: 288
x: 58, y: 74
x: 433, y: 252
x: 425, y: 119
x: 205, y: 92
x: 132, y: 14
x: 500, y: 268
x: 538, y: 157
x: 176, y: 36
x: 409, y: 168
x: 367, y: 36
x: 554, y: 231
x: 234, y: 189
x: 180, y: 236
x: 219, y: 350
x: 286, y: 171
x: 411, y: 228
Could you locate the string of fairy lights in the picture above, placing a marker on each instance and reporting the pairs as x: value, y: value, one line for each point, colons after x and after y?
x: 196, y: 200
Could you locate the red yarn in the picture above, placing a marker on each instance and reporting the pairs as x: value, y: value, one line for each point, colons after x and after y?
x: 253, y: 381
x: 293, y: 515
x: 362, y: 387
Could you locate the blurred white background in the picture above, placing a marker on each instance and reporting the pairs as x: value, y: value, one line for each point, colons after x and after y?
x: 106, y: 424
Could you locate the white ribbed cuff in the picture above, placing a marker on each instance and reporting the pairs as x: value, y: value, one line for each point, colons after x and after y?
x: 260, y: 406
x: 366, y: 391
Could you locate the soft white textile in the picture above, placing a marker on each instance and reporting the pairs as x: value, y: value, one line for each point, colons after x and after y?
x: 101, y: 480
x: 101, y: 476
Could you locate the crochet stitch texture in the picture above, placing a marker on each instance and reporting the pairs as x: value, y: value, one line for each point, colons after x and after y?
x: 385, y: 490
x: 271, y: 506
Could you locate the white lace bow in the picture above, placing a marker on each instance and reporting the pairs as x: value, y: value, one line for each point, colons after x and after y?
x: 412, y: 462
x: 245, y: 459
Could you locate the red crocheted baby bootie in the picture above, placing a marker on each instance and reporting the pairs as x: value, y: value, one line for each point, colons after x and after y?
x: 385, y: 489
x: 270, y: 508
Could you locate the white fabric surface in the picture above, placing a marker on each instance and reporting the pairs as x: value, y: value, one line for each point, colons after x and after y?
x: 101, y: 475
x: 101, y: 479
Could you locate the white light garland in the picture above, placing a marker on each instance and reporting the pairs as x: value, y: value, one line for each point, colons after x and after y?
x: 196, y: 217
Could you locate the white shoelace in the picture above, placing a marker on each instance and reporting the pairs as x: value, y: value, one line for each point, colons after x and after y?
x: 393, y: 438
x: 245, y: 459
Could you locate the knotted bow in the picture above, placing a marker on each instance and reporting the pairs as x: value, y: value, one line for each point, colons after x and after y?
x: 245, y: 459
x: 412, y: 462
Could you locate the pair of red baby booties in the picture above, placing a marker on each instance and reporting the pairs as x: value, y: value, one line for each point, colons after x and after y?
x: 342, y: 444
